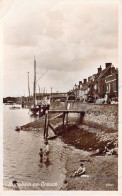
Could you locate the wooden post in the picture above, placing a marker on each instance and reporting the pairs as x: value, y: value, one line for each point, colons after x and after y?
x: 39, y: 110
x: 66, y: 121
x: 52, y: 128
x: 63, y: 119
x: 47, y: 123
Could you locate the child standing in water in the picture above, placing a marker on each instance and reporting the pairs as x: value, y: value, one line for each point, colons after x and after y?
x: 41, y: 155
x: 47, y: 147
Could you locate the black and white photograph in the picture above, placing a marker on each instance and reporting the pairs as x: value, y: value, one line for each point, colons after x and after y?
x: 60, y: 95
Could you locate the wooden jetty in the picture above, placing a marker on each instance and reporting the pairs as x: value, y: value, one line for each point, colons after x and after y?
x: 64, y: 119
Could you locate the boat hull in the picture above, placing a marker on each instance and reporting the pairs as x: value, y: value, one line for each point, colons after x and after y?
x: 34, y: 110
x: 14, y: 108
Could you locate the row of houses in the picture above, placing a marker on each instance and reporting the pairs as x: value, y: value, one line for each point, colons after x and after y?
x: 103, y: 84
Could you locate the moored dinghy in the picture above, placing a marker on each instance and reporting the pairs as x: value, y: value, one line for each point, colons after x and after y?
x: 17, y: 128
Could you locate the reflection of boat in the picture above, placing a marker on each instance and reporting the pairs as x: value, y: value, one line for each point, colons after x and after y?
x: 9, y: 103
x: 34, y: 116
x: 14, y: 107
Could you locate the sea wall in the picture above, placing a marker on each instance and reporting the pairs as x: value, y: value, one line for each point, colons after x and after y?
x: 103, y: 116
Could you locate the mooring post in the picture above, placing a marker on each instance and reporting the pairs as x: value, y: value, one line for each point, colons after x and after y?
x: 63, y: 119
x: 47, y: 123
x: 52, y: 128
x: 39, y: 110
x: 66, y: 121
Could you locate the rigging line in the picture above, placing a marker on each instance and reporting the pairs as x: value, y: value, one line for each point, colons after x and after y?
x: 42, y: 75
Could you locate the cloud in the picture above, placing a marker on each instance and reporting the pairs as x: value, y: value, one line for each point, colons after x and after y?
x: 67, y: 38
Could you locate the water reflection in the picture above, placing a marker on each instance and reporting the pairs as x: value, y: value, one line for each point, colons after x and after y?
x: 21, y: 154
x: 47, y: 162
x: 34, y: 116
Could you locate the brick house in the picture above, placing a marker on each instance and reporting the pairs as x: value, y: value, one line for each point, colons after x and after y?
x: 100, y: 85
x: 105, y: 82
x: 112, y: 84
x: 93, y: 85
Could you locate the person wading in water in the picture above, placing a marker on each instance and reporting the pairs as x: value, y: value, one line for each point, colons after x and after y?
x: 41, y: 155
x: 47, y: 148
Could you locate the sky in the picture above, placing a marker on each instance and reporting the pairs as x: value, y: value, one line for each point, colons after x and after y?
x: 70, y: 39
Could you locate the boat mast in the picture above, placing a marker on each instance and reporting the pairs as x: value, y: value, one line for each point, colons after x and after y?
x: 28, y: 86
x: 34, y: 93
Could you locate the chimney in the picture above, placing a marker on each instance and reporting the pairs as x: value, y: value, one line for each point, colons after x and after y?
x: 99, y: 69
x: 107, y: 65
x: 75, y: 86
x: 80, y: 82
x: 85, y: 80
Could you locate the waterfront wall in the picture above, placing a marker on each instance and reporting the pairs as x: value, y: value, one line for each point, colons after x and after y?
x: 99, y: 115
x: 96, y: 115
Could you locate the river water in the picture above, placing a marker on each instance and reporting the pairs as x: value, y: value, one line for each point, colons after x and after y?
x: 21, y: 159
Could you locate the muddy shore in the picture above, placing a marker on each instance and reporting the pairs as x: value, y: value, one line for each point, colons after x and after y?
x: 101, y: 172
x: 101, y: 168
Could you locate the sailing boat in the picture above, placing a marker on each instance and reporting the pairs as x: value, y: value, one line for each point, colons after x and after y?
x: 34, y: 108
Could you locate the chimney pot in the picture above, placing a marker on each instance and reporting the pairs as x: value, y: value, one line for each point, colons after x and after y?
x: 99, y: 69
x: 108, y: 64
x: 80, y: 82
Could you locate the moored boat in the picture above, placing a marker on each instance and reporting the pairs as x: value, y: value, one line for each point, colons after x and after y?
x: 34, y: 110
x: 17, y: 128
x: 37, y: 107
x: 9, y: 103
x: 14, y: 107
